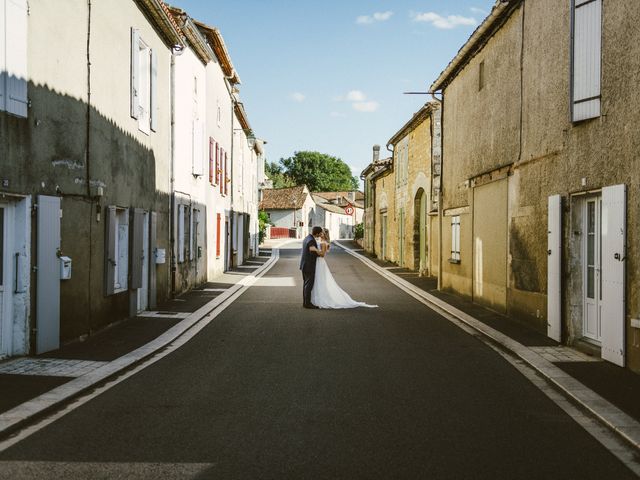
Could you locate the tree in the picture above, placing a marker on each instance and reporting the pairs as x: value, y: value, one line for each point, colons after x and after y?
x: 276, y: 174
x: 319, y: 172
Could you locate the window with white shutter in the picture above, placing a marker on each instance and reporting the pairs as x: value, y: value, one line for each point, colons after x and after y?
x: 144, y: 75
x: 13, y: 57
x: 181, y: 230
x: 455, y: 239
x: 153, y: 110
x: 586, y: 59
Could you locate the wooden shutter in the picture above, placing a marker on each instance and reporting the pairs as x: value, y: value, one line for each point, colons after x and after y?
x: 218, y: 219
x: 153, y: 112
x: 221, y: 170
x: 613, y: 273
x: 137, y: 247
x: 181, y: 233
x: 110, y: 250
x: 226, y: 175
x: 211, y: 164
x: 554, y: 267
x: 16, y: 57
x: 135, y: 73
x: 586, y: 64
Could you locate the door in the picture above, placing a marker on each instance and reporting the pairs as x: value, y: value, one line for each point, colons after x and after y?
x: 613, y: 273
x: 423, y: 233
x: 401, y: 238
x: 48, y: 286
x: 143, y: 291
x: 554, y: 267
x: 4, y: 283
x: 591, y: 252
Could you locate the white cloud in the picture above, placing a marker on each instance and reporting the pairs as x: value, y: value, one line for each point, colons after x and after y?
x: 478, y: 11
x: 297, y: 97
x: 368, y: 106
x: 376, y: 17
x: 355, y: 96
x: 442, y: 22
x: 337, y: 115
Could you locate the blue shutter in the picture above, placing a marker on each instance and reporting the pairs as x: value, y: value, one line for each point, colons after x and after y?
x: 16, y: 100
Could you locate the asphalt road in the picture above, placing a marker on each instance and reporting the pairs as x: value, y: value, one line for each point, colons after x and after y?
x: 270, y: 390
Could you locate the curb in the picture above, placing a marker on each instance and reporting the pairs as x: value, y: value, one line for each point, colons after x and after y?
x: 19, y: 416
x: 605, y: 412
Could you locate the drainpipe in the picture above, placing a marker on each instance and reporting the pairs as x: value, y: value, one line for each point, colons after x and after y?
x: 231, y: 213
x: 175, y: 51
x: 440, y: 190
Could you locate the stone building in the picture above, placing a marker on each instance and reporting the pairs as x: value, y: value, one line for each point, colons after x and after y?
x: 540, y: 167
x: 412, y: 165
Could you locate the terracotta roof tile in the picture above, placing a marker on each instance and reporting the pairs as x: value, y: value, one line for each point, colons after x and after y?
x: 284, y: 198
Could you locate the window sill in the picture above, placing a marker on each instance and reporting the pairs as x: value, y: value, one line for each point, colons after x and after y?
x: 454, y: 261
x: 119, y: 290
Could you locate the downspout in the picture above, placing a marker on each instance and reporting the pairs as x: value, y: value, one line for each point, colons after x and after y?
x: 231, y: 222
x: 88, y: 162
x: 172, y: 207
x: 440, y: 190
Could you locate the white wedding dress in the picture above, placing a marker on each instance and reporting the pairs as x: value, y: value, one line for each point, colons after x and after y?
x: 327, y: 293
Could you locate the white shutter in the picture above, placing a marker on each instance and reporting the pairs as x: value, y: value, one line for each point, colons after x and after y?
x: 3, y: 65
x: 181, y: 233
x: 16, y: 57
x: 154, y: 91
x: 554, y: 267
x: 197, y: 150
x: 613, y: 273
x: 587, y: 41
x: 135, y: 73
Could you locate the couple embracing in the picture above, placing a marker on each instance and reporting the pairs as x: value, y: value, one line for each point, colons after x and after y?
x: 319, y: 289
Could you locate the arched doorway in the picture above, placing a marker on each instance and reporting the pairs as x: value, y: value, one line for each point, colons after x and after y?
x: 420, y: 232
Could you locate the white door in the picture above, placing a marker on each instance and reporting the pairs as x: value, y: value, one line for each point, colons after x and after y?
x: 554, y: 268
x: 592, y: 280
x: 143, y: 291
x: 613, y: 273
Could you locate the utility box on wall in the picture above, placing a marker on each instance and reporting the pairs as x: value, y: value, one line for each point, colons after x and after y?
x: 65, y: 268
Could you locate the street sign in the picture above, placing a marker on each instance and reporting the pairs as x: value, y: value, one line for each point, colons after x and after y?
x: 348, y: 210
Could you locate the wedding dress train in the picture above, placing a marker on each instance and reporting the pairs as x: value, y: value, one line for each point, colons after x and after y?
x: 327, y: 293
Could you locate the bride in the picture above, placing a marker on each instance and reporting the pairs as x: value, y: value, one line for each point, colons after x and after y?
x: 326, y: 292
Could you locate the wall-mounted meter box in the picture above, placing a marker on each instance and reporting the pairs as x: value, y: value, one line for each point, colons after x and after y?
x: 161, y: 256
x: 65, y: 268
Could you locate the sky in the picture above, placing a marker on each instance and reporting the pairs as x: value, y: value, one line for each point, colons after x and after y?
x: 330, y: 75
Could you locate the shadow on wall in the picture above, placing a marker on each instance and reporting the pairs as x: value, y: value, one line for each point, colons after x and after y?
x: 68, y: 149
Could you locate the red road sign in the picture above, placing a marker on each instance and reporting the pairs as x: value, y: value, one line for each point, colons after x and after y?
x: 348, y: 210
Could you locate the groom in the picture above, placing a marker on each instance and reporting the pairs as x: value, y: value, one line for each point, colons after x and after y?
x: 310, y: 253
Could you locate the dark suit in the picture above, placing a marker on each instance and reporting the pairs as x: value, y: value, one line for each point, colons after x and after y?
x: 308, y: 267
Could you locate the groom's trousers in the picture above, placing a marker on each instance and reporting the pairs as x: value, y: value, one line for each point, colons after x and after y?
x: 307, y: 286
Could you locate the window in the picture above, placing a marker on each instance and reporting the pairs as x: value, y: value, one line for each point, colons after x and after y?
x: 144, y: 75
x: 586, y: 59
x: 481, y: 76
x: 455, y: 239
x: 402, y: 162
x: 13, y: 57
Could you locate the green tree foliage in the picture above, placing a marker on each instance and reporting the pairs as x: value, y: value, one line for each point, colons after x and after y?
x: 263, y: 221
x: 318, y: 171
x: 359, y: 231
x: 276, y: 174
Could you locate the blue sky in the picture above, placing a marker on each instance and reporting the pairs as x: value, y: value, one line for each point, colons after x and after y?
x: 330, y: 75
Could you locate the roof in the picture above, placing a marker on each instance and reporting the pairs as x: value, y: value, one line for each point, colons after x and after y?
x: 330, y: 207
x: 415, y: 120
x: 500, y: 12
x: 334, y: 195
x: 162, y: 19
x: 214, y: 37
x: 291, y: 198
x: 241, y: 113
x: 194, y: 37
x: 378, y: 168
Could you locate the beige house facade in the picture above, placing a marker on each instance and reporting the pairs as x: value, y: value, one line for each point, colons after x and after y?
x: 540, y: 167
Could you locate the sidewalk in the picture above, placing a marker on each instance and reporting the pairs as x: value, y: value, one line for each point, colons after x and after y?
x: 34, y: 385
x: 610, y: 393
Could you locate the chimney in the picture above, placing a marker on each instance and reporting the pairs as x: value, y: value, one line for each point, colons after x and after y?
x: 376, y: 153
